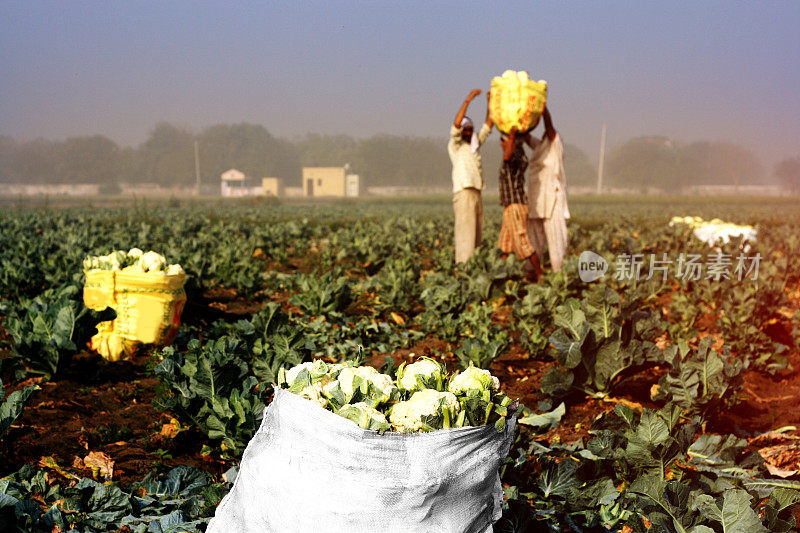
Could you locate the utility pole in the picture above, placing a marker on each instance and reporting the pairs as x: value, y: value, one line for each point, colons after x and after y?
x: 602, y: 159
x: 197, y: 168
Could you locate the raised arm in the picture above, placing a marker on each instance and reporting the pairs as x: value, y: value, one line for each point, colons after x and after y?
x: 549, y: 131
x: 463, y: 110
x: 489, y: 122
x: 508, y: 144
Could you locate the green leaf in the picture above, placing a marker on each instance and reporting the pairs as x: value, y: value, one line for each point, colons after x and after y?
x: 735, y: 515
x: 557, y: 381
x: 600, y: 309
x: 559, y: 479
x: 568, y: 349
x: 544, y: 420
x: 12, y: 407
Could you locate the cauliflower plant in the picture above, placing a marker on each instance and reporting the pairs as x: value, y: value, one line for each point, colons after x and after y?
x: 134, y: 261
x: 174, y: 270
x: 424, y: 374
x: 313, y: 391
x: 308, y: 380
x: 315, y: 370
x: 152, y: 262
x: 134, y: 254
x: 363, y: 382
x: 427, y: 410
x: 473, y: 379
x: 365, y: 416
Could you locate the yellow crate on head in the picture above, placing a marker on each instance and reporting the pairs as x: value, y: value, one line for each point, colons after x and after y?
x: 148, y: 308
x: 516, y: 100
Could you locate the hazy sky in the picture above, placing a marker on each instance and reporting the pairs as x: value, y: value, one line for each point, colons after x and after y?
x: 692, y: 70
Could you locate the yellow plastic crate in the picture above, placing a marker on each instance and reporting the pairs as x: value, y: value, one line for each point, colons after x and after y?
x: 148, y: 308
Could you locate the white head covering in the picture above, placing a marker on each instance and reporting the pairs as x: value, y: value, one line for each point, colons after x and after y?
x: 473, y: 142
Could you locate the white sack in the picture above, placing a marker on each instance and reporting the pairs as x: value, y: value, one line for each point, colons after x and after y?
x: 309, y: 470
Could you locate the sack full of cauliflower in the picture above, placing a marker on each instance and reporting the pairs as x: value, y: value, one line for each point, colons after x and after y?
x: 359, y: 451
x: 145, y: 291
x: 516, y: 100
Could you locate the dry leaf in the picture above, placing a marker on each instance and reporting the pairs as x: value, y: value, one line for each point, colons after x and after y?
x: 50, y: 462
x: 780, y: 472
x: 661, y: 342
x: 100, y: 462
x: 782, y: 460
x: 399, y: 320
x: 171, y: 430
x: 623, y: 401
x: 654, y: 390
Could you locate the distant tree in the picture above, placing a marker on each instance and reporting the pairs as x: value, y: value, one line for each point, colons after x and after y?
x: 166, y: 157
x: 668, y: 165
x: 410, y: 161
x: 317, y: 150
x: 94, y: 159
x: 644, y: 162
x: 788, y: 171
x: 128, y: 162
x: 577, y: 167
x: 35, y: 161
x: 719, y: 163
x: 7, y: 148
x: 249, y: 148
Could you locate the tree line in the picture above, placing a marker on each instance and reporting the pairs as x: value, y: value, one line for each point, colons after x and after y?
x: 167, y: 157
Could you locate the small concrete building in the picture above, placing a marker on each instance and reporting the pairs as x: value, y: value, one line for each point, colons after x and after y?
x: 234, y: 183
x: 351, y: 185
x: 272, y: 186
x: 329, y: 181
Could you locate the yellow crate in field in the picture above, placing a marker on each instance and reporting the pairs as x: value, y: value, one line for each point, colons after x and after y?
x: 148, y: 308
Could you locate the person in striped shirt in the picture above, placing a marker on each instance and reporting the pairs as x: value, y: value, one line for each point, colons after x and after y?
x: 514, y: 232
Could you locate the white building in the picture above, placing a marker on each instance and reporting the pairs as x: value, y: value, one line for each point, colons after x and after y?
x: 234, y: 183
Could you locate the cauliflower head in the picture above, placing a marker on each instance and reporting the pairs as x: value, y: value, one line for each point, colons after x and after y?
x: 365, y: 416
x: 427, y: 410
x: 316, y: 370
x: 313, y: 392
x: 423, y: 374
x: 473, y: 379
x: 152, y: 262
x: 362, y: 383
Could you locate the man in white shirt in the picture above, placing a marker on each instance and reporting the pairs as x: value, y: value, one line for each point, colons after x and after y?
x: 467, y: 179
x: 547, y: 195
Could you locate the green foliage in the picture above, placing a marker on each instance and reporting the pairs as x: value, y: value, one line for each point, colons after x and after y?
x: 645, y: 465
x: 324, y: 295
x: 340, y: 339
x: 208, y: 387
x: 701, y: 381
x: 479, y: 352
x: 533, y: 312
x: 648, y: 446
x: 181, y: 500
x: 11, y: 408
x: 397, y: 283
x: 599, y: 339
x: 49, y: 329
x: 219, y: 386
x: 267, y: 342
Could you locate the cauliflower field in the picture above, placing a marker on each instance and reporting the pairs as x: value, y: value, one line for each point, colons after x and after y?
x: 661, y: 396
